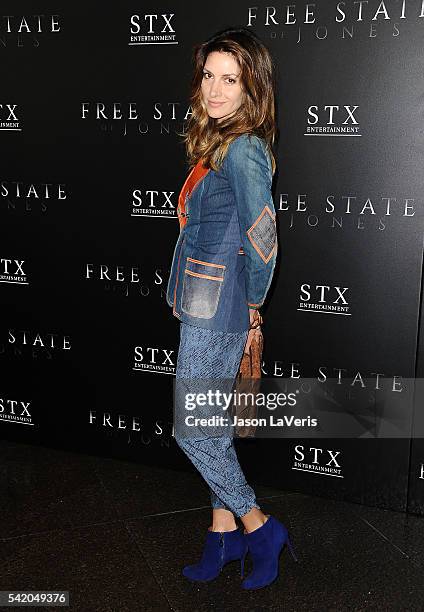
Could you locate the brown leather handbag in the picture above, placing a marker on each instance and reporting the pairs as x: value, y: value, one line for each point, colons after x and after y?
x: 248, y: 380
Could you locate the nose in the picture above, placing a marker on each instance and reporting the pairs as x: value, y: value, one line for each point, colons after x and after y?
x: 215, y: 89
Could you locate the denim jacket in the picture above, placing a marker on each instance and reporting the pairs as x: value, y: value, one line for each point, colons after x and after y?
x: 224, y: 258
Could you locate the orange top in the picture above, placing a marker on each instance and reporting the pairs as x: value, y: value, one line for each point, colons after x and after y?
x: 194, y: 177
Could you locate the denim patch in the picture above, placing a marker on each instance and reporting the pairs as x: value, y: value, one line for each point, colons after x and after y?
x: 202, y: 285
x: 262, y: 234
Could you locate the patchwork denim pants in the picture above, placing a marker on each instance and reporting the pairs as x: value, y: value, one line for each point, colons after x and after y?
x: 211, y: 354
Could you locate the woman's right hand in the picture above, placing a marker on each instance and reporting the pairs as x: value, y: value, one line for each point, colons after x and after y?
x: 255, y: 327
x: 255, y: 318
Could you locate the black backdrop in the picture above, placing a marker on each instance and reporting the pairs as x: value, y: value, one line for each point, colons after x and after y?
x: 91, y: 102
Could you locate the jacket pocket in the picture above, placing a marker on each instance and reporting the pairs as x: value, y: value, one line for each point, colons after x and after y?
x: 201, y: 288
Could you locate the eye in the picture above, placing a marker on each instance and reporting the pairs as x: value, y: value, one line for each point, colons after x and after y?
x: 230, y: 79
x: 206, y: 74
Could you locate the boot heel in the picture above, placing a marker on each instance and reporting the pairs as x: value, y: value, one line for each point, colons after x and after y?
x: 291, y: 549
x: 242, y: 564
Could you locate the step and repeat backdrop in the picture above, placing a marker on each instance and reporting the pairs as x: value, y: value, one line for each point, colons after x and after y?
x: 92, y: 100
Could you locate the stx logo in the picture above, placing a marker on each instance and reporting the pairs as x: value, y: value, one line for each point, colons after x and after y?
x: 153, y: 20
x: 11, y: 271
x: 329, y: 112
x: 323, y: 298
x: 15, y: 411
x: 323, y: 293
x: 154, y: 355
x: 150, y: 196
x: 12, y: 267
x: 4, y: 108
x: 152, y: 203
x: 14, y: 407
x: 153, y: 360
x: 326, y: 456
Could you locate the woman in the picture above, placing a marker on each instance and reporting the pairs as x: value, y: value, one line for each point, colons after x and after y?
x: 221, y: 271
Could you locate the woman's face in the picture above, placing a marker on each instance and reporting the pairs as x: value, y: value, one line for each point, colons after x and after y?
x: 221, y: 85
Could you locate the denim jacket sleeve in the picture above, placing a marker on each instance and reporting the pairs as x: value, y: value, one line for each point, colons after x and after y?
x: 249, y: 172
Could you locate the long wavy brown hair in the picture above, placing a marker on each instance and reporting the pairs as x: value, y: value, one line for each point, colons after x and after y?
x: 205, y: 137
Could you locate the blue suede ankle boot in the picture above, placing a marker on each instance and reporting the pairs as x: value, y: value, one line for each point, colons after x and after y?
x: 265, y: 545
x: 220, y: 548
